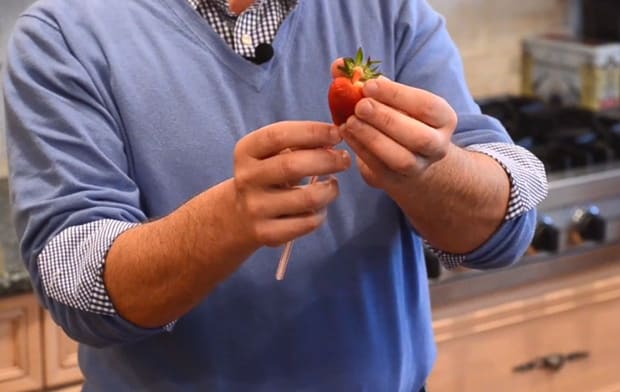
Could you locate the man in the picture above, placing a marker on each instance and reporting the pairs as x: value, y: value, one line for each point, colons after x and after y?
x: 149, y: 152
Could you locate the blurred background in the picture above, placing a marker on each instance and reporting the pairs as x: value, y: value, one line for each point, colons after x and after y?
x: 550, y: 71
x: 9, y: 10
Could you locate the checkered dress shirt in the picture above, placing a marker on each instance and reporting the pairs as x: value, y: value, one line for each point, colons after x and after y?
x: 244, y: 32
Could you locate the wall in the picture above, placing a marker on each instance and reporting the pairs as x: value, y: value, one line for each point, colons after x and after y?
x: 488, y: 34
x: 9, y: 10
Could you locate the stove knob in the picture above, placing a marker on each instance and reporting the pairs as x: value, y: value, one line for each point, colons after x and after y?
x: 546, y: 237
x: 433, y: 266
x: 589, y: 225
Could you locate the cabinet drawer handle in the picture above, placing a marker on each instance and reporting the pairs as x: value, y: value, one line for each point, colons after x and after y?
x: 552, y: 362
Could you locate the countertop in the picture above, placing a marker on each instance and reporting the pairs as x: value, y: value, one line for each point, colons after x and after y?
x: 13, y: 276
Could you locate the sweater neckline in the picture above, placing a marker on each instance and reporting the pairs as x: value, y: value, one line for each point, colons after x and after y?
x: 256, y: 75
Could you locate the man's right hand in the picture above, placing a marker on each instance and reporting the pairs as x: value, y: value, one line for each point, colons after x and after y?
x: 279, y: 154
x: 160, y: 270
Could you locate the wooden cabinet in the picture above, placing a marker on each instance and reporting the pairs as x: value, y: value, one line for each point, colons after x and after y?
x: 35, y: 354
x: 20, y: 344
x: 481, y: 343
x: 61, y: 362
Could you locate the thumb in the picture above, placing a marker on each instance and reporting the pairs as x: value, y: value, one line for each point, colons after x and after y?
x: 335, y: 68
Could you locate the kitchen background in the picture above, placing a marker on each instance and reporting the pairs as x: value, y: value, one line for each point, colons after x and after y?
x: 9, y: 9
x: 548, y: 324
x: 489, y: 32
x: 11, y: 272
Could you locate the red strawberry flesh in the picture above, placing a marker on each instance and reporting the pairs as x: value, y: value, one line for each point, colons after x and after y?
x: 346, y: 90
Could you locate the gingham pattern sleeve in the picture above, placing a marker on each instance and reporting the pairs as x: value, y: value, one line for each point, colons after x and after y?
x: 527, y: 174
x: 528, y: 187
x: 71, y: 265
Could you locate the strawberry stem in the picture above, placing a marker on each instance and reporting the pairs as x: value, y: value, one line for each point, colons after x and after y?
x: 357, y: 69
x: 358, y: 73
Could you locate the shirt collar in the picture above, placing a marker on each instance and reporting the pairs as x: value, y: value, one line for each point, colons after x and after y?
x: 223, y: 4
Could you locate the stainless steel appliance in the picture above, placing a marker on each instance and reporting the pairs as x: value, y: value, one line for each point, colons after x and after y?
x: 579, y: 222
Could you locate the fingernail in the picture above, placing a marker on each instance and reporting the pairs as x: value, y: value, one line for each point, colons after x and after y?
x: 364, y: 108
x: 346, y: 157
x: 371, y: 87
x: 325, y: 183
x: 351, y: 125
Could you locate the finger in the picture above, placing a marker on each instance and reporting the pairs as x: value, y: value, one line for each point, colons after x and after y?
x: 274, y: 138
x: 294, y: 201
x: 336, y: 72
x: 369, y: 160
x: 421, y: 104
x: 293, y: 166
x: 393, y: 155
x: 412, y: 134
x: 276, y: 232
x: 375, y: 172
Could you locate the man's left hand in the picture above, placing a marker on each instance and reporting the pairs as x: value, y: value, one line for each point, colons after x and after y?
x: 398, y: 131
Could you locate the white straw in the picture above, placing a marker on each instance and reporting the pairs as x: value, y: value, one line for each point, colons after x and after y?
x: 288, y: 248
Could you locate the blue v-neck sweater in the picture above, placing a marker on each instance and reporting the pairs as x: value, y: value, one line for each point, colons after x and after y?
x: 125, y: 109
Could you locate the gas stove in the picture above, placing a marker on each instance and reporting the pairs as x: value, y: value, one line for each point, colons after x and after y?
x: 579, y: 221
x: 562, y: 137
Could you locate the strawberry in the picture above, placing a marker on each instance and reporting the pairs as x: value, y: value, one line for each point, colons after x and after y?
x: 346, y: 90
